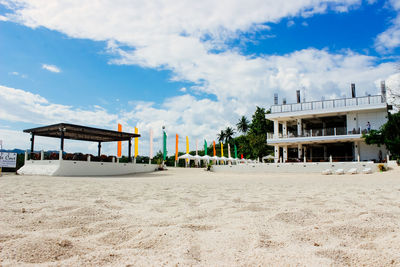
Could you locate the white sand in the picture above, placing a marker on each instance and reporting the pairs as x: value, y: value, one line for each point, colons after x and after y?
x: 192, y: 217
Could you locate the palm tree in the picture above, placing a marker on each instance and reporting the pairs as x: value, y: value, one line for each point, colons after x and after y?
x: 221, y: 136
x: 243, y: 125
x: 229, y: 132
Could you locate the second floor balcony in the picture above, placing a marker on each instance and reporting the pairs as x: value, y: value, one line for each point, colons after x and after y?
x: 329, y: 104
x: 336, y: 131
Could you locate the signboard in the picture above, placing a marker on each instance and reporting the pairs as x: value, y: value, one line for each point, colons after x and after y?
x: 8, y: 160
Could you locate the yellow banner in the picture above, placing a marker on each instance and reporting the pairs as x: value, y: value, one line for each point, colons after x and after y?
x: 119, y: 146
x: 136, y: 143
x: 187, y: 146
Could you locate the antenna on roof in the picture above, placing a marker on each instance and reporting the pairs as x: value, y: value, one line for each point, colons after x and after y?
x: 298, y: 96
x: 383, y: 90
x: 353, y: 90
x: 276, y: 99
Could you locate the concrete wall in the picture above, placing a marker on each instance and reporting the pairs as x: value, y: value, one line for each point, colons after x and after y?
x: 371, y: 152
x: 82, y: 168
x: 360, y: 119
x: 314, y: 167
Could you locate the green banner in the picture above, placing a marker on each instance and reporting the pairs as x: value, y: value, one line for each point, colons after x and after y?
x: 205, y: 147
x: 235, y: 152
x: 165, y: 146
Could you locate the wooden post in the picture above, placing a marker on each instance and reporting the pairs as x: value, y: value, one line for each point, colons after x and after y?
x: 129, y: 150
x: 99, y: 149
x: 32, y: 143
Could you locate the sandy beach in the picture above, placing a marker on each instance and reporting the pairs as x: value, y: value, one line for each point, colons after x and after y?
x: 185, y: 217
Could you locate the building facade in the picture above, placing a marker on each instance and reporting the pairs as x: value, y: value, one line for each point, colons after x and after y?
x: 325, y: 130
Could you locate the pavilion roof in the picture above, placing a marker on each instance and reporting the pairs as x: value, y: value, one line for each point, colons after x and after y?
x: 78, y: 132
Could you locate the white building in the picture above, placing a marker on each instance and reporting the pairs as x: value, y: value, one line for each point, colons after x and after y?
x: 318, y: 130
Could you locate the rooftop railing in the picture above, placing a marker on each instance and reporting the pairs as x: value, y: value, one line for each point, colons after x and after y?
x: 320, y: 132
x: 326, y: 104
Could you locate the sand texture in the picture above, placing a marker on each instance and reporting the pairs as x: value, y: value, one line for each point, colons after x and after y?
x: 190, y: 217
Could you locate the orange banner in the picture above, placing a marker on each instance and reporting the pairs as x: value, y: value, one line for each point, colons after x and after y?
x: 176, y: 147
x: 119, y: 146
x: 215, y: 152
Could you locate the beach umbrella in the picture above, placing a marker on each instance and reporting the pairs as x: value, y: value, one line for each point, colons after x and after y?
x: 186, y: 156
x: 206, y: 158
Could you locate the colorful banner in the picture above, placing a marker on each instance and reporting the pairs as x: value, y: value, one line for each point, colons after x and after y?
x: 235, y: 152
x: 197, y: 144
x: 214, y: 151
x: 222, y: 149
x: 176, y: 147
x: 205, y: 147
x: 229, y: 150
x: 136, y: 153
x: 119, y: 145
x: 187, y: 147
x: 165, y: 145
x: 151, y: 144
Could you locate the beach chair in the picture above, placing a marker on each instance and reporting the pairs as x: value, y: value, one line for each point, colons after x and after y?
x: 352, y: 171
x: 367, y: 170
x: 327, y: 172
x: 339, y: 171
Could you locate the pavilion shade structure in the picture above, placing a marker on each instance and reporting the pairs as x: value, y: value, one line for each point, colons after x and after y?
x: 83, y: 133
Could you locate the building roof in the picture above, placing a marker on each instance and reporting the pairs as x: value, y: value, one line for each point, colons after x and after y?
x: 326, y: 107
x: 78, y: 132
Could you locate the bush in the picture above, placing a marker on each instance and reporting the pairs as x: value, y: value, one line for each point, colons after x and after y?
x: 382, y: 167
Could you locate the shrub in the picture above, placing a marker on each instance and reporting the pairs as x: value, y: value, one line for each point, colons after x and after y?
x: 382, y: 167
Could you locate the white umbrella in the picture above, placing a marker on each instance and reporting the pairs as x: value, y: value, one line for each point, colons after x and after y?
x: 214, y: 158
x: 268, y: 157
x: 196, y: 157
x: 206, y: 157
x: 186, y: 156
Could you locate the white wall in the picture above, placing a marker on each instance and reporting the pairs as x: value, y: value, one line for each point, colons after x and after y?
x: 82, y: 168
x: 376, y: 119
x: 314, y: 167
x: 371, y: 152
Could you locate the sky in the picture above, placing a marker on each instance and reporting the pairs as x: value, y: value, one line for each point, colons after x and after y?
x: 194, y: 67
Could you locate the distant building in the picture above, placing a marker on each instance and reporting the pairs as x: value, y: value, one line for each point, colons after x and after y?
x: 319, y: 130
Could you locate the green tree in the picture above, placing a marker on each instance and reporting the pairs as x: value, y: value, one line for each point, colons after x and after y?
x: 243, y: 125
x: 221, y: 136
x: 388, y: 135
x: 229, y: 132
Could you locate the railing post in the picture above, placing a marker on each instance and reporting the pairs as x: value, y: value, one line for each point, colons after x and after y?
x: 26, y: 156
x: 334, y: 131
x: 42, y: 155
x: 60, y: 156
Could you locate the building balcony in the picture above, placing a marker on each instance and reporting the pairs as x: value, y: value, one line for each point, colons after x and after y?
x: 329, y: 104
x: 317, y: 135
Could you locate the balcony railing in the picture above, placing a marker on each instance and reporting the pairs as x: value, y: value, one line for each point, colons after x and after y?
x: 325, y: 104
x: 320, y: 132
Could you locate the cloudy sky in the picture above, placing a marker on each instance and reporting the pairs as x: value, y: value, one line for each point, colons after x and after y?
x: 193, y: 66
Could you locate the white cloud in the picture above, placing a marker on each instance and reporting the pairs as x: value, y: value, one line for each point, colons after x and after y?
x: 183, y: 89
x: 390, y: 38
x: 51, y: 68
x: 290, y: 23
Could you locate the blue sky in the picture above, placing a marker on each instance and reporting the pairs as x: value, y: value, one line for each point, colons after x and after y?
x: 194, y: 69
